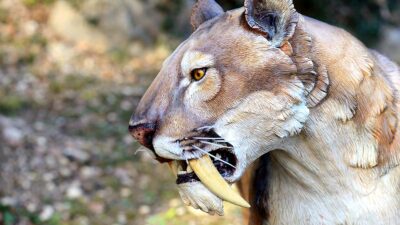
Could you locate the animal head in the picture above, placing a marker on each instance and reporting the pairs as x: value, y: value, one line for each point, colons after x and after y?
x: 233, y: 79
x: 232, y: 90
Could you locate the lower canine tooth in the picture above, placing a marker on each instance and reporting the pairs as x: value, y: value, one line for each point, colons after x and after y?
x: 189, y: 169
x: 210, y: 177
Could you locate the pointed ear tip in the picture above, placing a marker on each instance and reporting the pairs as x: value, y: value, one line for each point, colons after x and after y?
x: 275, y: 18
x: 204, y: 10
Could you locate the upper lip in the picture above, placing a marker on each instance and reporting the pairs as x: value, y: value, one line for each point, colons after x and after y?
x: 202, y: 141
x: 206, y: 142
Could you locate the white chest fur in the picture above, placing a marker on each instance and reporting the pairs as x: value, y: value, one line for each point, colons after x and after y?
x: 313, y: 182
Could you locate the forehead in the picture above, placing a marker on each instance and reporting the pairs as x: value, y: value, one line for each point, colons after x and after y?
x: 218, y: 32
x: 217, y: 39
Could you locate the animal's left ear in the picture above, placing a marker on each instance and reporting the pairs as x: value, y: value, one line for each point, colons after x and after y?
x: 204, y: 10
x: 276, y: 19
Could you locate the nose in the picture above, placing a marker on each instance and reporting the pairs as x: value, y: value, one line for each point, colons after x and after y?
x: 144, y: 134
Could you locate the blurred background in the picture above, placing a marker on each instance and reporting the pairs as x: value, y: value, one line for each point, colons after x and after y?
x: 71, y: 74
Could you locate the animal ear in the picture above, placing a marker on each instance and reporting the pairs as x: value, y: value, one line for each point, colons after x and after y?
x: 204, y: 10
x: 277, y: 19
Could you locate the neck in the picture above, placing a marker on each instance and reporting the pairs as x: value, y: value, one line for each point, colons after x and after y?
x: 314, y: 173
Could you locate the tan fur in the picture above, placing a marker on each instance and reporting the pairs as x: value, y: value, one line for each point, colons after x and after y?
x: 329, y: 104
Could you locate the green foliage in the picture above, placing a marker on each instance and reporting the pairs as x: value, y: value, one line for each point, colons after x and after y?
x: 120, y: 55
x: 71, y: 83
x: 36, y: 2
x: 164, y: 218
x: 11, y: 216
x: 78, y: 208
x: 33, y: 3
x: 3, y: 15
x: 11, y: 104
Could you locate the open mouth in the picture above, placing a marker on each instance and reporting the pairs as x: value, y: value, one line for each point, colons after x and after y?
x: 211, y: 160
x: 223, y: 160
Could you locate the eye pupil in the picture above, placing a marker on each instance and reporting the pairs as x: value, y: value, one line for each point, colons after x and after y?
x: 198, y: 74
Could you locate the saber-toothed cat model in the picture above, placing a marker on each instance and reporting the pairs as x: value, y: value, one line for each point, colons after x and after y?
x: 308, y: 108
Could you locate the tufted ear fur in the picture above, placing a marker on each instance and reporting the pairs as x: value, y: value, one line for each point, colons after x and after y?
x: 277, y: 19
x: 204, y: 10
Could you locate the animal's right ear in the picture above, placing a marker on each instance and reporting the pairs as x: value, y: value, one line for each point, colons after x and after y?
x: 276, y: 19
x: 204, y: 10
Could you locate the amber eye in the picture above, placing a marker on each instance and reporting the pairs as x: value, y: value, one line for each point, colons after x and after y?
x: 198, y: 74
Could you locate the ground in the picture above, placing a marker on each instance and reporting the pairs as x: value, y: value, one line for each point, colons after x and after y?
x: 71, y: 74
x: 66, y: 155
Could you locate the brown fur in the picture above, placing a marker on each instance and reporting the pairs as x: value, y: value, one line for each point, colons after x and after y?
x: 339, y: 77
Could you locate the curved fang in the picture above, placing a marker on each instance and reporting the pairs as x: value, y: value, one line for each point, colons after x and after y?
x: 210, y: 177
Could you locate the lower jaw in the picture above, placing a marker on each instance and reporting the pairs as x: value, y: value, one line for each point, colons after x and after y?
x: 187, y: 178
x: 205, y: 170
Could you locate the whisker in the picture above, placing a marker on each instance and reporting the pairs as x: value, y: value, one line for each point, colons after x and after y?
x: 187, y: 161
x: 204, y: 128
x: 212, y: 156
x: 215, y: 144
x: 140, y: 150
x: 207, y: 138
x: 220, y: 141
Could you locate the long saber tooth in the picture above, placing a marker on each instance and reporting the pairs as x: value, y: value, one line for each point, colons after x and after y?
x: 210, y: 177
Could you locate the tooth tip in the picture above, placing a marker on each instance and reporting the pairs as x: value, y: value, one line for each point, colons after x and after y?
x: 212, y: 179
x: 240, y: 202
x: 247, y: 205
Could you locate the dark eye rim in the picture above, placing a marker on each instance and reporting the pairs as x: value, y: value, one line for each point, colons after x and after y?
x: 194, y: 70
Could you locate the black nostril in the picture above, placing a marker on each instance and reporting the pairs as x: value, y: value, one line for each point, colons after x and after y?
x: 144, y: 134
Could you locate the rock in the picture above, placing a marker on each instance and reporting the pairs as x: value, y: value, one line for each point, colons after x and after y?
x: 46, y: 213
x: 72, y: 26
x: 13, y: 136
x: 123, y: 20
x: 390, y: 43
x: 144, y: 210
x: 96, y: 207
x: 125, y: 192
x: 8, y: 201
x: 41, y: 143
x: 61, y: 53
x: 23, y: 221
x: 123, y: 176
x: 122, y: 219
x: 76, y: 154
x: 74, y: 191
x: 30, y: 27
x: 31, y: 207
x: 89, y: 172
